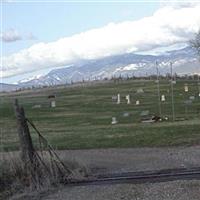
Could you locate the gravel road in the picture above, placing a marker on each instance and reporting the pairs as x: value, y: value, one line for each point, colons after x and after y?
x: 177, y: 190
x: 138, y: 159
x: 121, y: 160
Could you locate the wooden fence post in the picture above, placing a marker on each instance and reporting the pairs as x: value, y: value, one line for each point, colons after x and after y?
x: 26, y: 145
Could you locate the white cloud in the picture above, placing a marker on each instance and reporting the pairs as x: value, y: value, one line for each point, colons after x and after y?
x: 168, y: 26
x: 10, y: 35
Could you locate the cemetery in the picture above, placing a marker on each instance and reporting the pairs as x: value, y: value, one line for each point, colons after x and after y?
x: 82, y: 117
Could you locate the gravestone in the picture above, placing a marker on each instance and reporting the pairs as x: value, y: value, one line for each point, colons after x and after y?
x: 192, y: 97
x: 173, y: 82
x: 52, y: 99
x: 137, y: 102
x: 37, y: 106
x: 118, y: 99
x: 125, y: 114
x: 140, y: 90
x: 128, y: 99
x: 114, y: 120
x: 186, y: 89
x: 163, y: 98
x: 144, y: 113
x: 53, y: 104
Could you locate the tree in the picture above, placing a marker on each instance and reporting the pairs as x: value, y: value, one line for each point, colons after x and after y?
x: 195, y: 43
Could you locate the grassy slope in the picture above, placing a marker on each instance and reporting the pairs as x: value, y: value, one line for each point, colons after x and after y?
x: 83, y: 115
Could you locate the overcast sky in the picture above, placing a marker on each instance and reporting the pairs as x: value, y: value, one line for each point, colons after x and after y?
x: 37, y: 37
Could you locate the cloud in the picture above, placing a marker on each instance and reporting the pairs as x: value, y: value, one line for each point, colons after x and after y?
x: 167, y: 26
x: 10, y: 35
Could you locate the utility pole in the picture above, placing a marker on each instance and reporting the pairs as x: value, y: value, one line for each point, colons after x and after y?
x: 172, y: 92
x: 158, y: 90
x: 198, y: 85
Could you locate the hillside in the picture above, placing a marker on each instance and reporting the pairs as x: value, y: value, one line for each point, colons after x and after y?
x: 83, y: 114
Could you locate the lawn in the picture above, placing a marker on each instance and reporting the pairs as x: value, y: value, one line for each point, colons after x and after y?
x: 82, y: 116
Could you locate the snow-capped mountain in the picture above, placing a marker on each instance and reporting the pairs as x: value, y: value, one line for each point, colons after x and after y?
x: 184, y: 61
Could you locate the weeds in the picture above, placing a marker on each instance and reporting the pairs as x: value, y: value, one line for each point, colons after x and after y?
x: 15, y: 178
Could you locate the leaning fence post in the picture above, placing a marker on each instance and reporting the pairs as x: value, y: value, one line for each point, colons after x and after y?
x: 26, y: 145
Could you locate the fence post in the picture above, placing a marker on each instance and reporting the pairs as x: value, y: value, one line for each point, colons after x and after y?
x: 26, y: 145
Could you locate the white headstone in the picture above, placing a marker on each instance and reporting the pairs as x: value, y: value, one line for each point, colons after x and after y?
x: 140, y: 90
x: 174, y: 82
x: 125, y: 114
x: 199, y: 94
x: 128, y: 99
x: 114, y: 120
x: 37, y: 106
x: 144, y: 113
x: 137, y: 102
x: 163, y: 98
x: 118, y: 99
x: 53, y: 104
x: 192, y: 97
x: 186, y: 88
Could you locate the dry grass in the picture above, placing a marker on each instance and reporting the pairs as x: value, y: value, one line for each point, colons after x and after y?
x: 16, y: 179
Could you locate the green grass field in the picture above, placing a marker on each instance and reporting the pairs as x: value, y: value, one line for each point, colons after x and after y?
x: 82, y: 117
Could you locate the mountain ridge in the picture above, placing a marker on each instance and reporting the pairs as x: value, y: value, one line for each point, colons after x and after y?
x: 184, y: 61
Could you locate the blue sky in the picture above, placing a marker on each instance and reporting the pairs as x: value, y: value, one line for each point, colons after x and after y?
x: 51, y: 21
x: 38, y: 37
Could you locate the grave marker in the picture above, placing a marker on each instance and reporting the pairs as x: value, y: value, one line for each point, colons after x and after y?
x: 163, y: 98
x: 53, y: 104
x: 144, y: 113
x: 37, y: 106
x: 128, y: 99
x: 186, y: 89
x: 52, y: 100
x: 140, y: 90
x: 125, y: 114
x: 137, y: 102
x: 118, y: 99
x: 192, y: 97
x: 114, y: 120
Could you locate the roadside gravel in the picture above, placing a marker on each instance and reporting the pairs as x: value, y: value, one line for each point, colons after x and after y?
x: 135, y: 159
x: 99, y: 161
x: 176, y: 190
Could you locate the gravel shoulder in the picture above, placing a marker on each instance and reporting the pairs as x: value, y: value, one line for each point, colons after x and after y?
x: 121, y: 160
x: 100, y: 161
x: 135, y: 159
x: 176, y: 190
